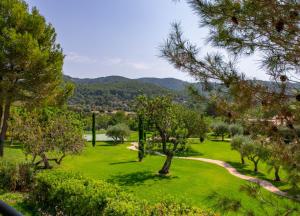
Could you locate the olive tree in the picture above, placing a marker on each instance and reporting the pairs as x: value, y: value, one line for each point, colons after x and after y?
x: 50, y: 131
x: 118, y: 132
x: 166, y: 121
x: 235, y: 129
x: 220, y: 129
x: 237, y: 143
x: 254, y: 151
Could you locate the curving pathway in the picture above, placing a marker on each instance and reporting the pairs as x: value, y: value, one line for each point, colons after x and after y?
x: 265, y: 184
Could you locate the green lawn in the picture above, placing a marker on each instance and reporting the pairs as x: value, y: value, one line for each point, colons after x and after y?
x: 191, y: 181
x: 221, y: 150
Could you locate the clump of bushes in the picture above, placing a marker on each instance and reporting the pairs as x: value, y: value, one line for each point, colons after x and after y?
x: 220, y: 129
x: 118, y: 132
x: 235, y: 129
x: 15, y: 177
x: 71, y: 194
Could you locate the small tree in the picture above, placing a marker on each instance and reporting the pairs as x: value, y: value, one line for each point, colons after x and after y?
x: 236, y: 144
x: 167, y: 122
x: 235, y: 129
x: 94, y: 129
x: 254, y: 151
x: 220, y: 129
x: 118, y: 132
x: 45, y: 131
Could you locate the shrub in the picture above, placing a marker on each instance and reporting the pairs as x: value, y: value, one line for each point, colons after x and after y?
x: 15, y: 177
x: 118, y: 132
x: 220, y: 129
x: 71, y: 194
x: 235, y: 129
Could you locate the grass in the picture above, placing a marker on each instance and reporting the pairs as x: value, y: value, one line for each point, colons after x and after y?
x: 221, y: 150
x: 190, y: 181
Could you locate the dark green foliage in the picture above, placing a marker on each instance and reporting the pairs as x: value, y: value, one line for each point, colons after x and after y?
x: 15, y: 177
x: 94, y: 129
x: 30, y: 60
x: 115, y: 94
x: 142, y: 139
x: 58, y: 192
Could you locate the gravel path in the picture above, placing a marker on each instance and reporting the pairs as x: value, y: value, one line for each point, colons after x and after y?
x: 265, y: 184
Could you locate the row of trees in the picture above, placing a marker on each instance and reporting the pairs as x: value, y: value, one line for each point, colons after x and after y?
x: 221, y: 129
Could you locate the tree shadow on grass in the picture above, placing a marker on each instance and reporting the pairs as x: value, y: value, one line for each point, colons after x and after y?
x: 122, y: 162
x: 138, y: 178
x: 190, y: 152
x: 219, y: 140
x: 14, y: 146
x: 108, y: 143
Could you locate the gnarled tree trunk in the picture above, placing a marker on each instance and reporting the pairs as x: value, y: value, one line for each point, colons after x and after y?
x: 45, y: 161
x: 166, y: 167
x: 277, y: 178
x: 242, y: 159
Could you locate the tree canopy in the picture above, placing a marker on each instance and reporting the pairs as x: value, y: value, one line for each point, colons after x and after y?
x: 30, y: 59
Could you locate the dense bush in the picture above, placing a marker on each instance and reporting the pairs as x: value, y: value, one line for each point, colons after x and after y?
x: 235, y: 129
x: 15, y: 177
x: 71, y: 194
x: 118, y: 132
x: 220, y: 129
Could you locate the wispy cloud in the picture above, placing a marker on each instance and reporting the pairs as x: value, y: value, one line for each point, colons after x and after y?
x: 128, y: 63
x: 139, y: 65
x: 77, y: 58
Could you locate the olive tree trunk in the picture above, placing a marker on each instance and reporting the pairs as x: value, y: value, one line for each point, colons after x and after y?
x: 277, y: 178
x: 166, y: 167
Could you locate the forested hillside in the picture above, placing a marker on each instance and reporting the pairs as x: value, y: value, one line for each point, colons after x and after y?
x: 118, y: 93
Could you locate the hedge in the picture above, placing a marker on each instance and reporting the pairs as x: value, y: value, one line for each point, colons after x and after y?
x: 64, y: 193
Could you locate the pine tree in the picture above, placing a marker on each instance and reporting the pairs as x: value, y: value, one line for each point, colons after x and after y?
x: 30, y: 59
x: 242, y: 28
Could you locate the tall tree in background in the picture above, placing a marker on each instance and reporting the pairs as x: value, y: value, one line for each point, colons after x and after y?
x: 30, y: 59
x: 270, y: 27
x: 140, y: 106
x: 142, y: 140
x: 94, y: 129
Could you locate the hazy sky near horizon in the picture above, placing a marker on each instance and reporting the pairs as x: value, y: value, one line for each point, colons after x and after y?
x: 122, y: 37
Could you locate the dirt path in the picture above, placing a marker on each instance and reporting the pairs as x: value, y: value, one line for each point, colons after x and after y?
x: 265, y: 184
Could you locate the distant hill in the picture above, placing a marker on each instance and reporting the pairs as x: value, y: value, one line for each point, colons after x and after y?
x: 116, y: 92
x: 169, y: 83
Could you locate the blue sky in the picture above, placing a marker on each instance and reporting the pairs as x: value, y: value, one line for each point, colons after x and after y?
x: 122, y: 37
